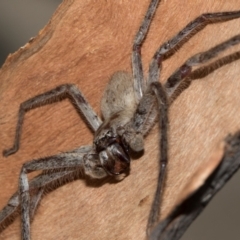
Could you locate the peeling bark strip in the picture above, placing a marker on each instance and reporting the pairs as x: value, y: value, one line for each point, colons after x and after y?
x: 175, y: 225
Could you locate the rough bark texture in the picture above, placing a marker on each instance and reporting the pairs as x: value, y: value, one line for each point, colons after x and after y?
x: 84, y: 43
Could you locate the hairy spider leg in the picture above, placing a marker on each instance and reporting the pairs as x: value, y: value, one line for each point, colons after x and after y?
x: 85, y: 162
x: 154, y: 72
x: 167, y: 48
x: 162, y: 107
x: 63, y: 91
x: 183, y: 76
x: 37, y: 188
x: 138, y: 78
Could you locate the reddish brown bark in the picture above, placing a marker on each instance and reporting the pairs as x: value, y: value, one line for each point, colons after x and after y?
x: 84, y: 43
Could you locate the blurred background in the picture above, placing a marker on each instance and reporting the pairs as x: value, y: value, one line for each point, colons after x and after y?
x: 21, y: 20
x: 18, y: 24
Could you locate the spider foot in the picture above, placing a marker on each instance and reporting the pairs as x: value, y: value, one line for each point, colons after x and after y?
x: 7, y: 152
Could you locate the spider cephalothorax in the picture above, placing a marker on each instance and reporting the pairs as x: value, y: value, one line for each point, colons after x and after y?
x: 113, y: 154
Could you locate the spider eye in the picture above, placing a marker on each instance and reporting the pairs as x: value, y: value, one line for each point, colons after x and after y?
x: 109, y: 134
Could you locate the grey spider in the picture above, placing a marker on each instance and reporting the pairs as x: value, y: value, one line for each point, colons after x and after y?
x: 130, y: 107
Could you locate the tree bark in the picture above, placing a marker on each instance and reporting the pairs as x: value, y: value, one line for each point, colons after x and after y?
x: 84, y: 43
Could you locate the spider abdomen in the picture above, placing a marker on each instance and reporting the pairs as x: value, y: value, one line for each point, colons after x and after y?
x: 119, y: 96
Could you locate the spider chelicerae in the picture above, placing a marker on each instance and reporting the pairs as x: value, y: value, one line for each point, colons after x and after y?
x: 130, y: 106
